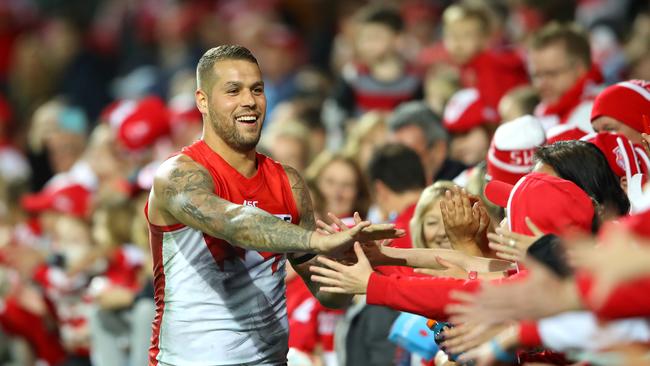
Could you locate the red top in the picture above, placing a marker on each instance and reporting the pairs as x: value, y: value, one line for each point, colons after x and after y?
x: 494, y: 74
x: 124, y: 266
x: 269, y: 188
x: 402, y: 221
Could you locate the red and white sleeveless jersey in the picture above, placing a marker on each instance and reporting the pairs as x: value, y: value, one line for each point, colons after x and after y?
x: 218, y: 304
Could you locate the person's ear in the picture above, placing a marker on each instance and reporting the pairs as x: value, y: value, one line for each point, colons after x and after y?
x: 201, y: 99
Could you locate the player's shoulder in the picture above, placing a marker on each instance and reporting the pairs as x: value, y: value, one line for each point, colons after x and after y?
x: 292, y: 174
x: 181, y: 169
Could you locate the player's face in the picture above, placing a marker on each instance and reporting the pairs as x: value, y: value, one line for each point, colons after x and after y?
x: 237, y: 104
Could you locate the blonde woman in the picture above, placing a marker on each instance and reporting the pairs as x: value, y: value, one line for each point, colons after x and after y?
x: 427, y: 226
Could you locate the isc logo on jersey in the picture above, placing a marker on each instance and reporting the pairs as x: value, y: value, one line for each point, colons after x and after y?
x: 285, y: 217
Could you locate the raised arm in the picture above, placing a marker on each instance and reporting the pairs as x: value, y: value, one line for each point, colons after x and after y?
x: 183, y: 191
x: 307, y: 222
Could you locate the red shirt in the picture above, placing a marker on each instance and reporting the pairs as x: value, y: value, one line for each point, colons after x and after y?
x: 124, y: 265
x: 494, y: 74
x: 310, y: 323
x: 402, y: 221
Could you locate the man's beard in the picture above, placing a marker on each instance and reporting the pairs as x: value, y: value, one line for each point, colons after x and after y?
x: 231, y: 136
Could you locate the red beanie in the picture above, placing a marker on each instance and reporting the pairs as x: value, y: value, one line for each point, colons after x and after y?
x: 626, y: 102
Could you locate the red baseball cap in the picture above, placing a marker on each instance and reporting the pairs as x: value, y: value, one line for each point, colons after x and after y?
x: 619, y: 152
x: 513, y: 146
x: 138, y: 124
x: 466, y: 110
x: 554, y: 204
x: 626, y: 102
x: 72, y: 199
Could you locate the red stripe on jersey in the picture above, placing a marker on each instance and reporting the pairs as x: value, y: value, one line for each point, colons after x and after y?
x: 156, y: 242
x: 163, y: 228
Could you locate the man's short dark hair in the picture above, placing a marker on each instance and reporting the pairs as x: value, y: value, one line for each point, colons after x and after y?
x: 574, y: 40
x: 398, y: 167
x: 204, y: 69
x: 418, y: 114
x: 384, y: 15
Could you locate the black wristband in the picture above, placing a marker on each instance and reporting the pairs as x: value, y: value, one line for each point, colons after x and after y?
x: 302, y: 259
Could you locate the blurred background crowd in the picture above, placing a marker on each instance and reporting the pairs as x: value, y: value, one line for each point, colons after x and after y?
x: 387, y: 108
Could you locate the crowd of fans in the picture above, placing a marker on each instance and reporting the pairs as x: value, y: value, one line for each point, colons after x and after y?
x: 510, y: 138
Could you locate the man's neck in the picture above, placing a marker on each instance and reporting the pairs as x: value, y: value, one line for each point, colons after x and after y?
x: 244, y: 162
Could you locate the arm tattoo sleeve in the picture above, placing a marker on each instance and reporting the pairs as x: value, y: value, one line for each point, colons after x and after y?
x: 188, y: 195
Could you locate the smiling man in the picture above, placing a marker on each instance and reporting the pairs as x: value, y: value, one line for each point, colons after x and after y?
x: 221, y: 218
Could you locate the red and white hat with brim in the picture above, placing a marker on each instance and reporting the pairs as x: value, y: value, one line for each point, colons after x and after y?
x: 466, y: 110
x: 555, y: 205
x: 513, y: 146
x: 138, y: 124
x: 73, y: 199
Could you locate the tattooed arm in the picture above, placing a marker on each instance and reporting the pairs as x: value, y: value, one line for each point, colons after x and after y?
x: 307, y: 221
x: 183, y: 191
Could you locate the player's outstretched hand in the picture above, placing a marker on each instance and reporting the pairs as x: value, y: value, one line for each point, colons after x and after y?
x: 362, y: 232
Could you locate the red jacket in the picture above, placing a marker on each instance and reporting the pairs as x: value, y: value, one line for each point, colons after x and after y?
x: 494, y: 74
x: 426, y: 296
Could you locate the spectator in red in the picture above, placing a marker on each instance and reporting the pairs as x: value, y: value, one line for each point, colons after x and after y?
x: 625, y: 108
x: 116, y: 309
x: 554, y: 204
x: 381, y: 79
x: 620, y: 154
x: 64, y: 277
x: 397, y: 180
x: 466, y: 35
x: 311, y: 325
x: 24, y: 314
x: 561, y: 69
x: 471, y: 123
